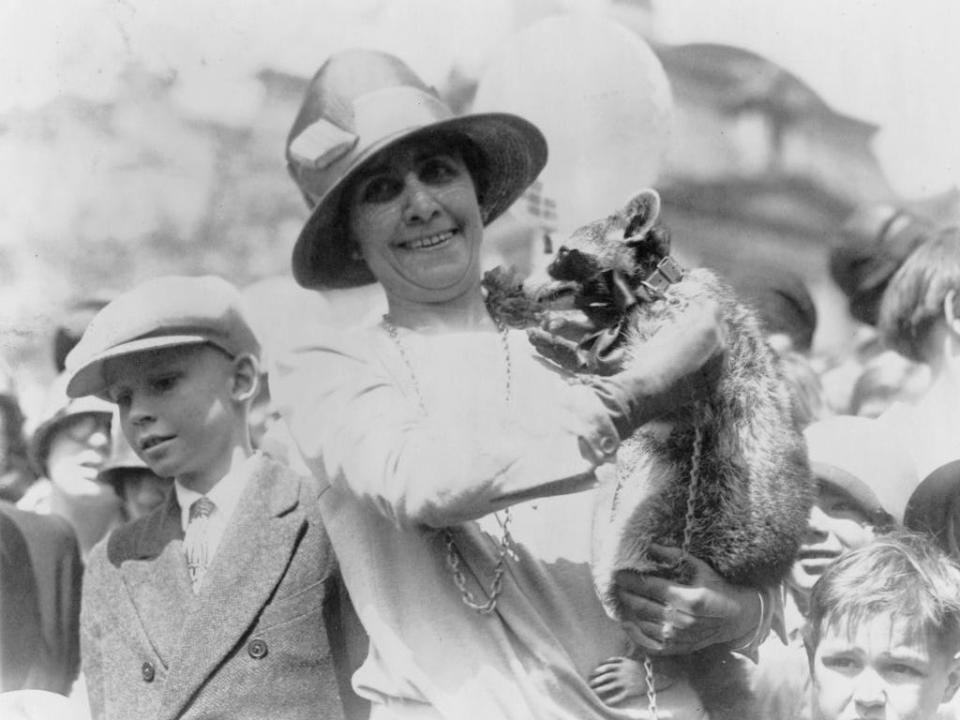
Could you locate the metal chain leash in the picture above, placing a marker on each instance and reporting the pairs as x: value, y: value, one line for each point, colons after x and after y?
x: 506, y: 539
x: 695, y: 456
x: 651, y: 688
x: 689, y: 521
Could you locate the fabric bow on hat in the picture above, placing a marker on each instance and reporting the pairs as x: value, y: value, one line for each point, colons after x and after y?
x: 321, y: 144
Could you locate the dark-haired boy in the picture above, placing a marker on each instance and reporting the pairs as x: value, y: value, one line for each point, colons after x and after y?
x: 212, y: 604
x: 883, y: 632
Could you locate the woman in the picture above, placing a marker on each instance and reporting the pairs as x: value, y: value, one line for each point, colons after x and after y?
x: 460, y: 467
x: 69, y: 449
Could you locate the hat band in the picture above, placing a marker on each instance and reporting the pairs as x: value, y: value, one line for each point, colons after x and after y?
x: 377, y: 115
x: 383, y: 113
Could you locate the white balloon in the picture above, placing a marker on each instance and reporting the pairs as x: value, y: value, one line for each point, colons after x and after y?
x: 603, y: 101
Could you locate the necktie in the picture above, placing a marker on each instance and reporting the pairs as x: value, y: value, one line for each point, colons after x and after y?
x: 196, y: 541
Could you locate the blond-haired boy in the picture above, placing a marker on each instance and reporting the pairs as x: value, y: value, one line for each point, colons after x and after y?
x: 212, y: 604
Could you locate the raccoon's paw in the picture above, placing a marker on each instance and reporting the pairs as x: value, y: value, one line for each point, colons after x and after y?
x: 618, y: 679
x: 558, y: 349
x: 572, y: 340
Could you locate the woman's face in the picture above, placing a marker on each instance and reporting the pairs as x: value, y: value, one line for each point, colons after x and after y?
x: 77, y: 452
x: 414, y: 213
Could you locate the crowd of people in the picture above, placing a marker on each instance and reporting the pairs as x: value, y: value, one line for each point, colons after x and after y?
x: 411, y: 536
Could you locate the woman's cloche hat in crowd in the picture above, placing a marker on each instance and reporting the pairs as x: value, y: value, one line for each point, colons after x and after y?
x: 860, y: 457
x: 163, y: 312
x: 58, y: 410
x: 363, y: 101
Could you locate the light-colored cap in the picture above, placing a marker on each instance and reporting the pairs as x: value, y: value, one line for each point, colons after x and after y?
x: 160, y: 313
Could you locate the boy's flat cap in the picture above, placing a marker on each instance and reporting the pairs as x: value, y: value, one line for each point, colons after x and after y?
x: 162, y: 312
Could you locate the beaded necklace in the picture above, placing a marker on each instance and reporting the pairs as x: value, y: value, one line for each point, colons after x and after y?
x: 454, y: 557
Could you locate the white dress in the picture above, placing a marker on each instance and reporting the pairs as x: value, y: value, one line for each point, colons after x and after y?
x: 400, y: 472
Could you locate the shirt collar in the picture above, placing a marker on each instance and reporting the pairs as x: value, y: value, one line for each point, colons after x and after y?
x: 225, y: 494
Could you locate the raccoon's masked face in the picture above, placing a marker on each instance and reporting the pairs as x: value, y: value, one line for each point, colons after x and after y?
x: 600, y: 263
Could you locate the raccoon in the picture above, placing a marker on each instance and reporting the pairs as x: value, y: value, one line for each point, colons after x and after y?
x: 740, y: 445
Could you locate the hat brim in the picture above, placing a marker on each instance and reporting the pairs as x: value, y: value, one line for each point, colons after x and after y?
x: 853, y: 487
x: 40, y: 440
x: 89, y: 379
x: 515, y: 152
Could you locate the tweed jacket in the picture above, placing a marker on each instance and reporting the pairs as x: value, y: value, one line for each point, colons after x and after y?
x: 251, y: 645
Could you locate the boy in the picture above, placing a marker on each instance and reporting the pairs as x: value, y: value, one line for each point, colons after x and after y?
x: 884, y: 631
x: 212, y: 604
x: 863, y: 481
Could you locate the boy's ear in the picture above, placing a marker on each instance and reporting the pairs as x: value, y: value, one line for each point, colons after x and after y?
x: 245, y: 381
x: 951, y: 313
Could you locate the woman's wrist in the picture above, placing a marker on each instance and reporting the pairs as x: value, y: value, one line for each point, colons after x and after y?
x: 753, y: 621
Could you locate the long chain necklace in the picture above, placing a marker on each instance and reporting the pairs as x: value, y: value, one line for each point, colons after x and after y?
x: 454, y: 558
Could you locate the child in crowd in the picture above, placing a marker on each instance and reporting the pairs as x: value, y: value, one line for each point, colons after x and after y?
x: 213, y: 604
x: 863, y: 483
x: 884, y: 632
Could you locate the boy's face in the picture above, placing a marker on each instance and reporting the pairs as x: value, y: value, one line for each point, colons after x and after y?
x: 837, y: 524
x: 178, y: 411
x: 886, y: 669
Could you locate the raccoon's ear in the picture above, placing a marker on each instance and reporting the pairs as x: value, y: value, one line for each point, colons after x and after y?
x: 641, y: 213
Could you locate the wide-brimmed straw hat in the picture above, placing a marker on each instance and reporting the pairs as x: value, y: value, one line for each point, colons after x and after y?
x: 361, y: 102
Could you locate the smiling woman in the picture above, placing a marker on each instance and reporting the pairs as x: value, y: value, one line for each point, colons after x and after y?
x: 461, y: 467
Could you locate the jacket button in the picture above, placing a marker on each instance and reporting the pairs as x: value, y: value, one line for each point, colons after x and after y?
x: 147, y: 672
x: 257, y: 649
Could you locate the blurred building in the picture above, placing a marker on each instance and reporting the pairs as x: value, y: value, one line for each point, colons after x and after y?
x: 759, y: 171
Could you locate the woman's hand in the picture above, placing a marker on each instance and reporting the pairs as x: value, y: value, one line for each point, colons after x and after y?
x: 678, y: 365
x: 667, y: 618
